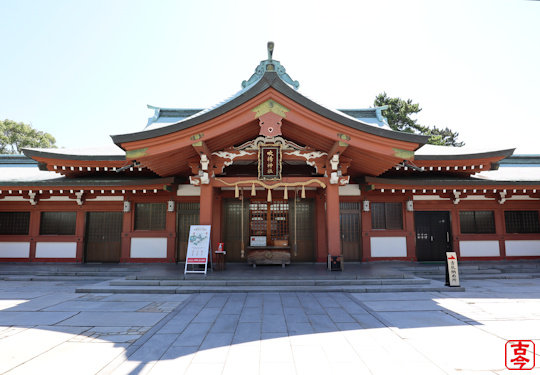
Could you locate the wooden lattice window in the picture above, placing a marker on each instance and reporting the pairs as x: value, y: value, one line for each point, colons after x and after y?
x: 522, y: 221
x: 477, y: 221
x: 14, y: 222
x: 386, y: 215
x: 269, y: 219
x: 150, y: 216
x: 59, y: 223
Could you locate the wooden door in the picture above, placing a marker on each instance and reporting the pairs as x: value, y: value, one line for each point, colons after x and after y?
x: 303, y: 227
x: 103, y: 236
x: 350, y: 230
x: 187, y: 214
x: 235, y: 226
x: 433, y: 236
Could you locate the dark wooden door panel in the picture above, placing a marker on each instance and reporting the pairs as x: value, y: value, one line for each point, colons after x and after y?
x: 103, y: 236
x: 350, y: 228
x: 433, y: 237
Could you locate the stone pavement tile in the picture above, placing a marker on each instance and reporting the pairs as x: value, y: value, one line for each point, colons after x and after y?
x: 146, y: 297
x: 213, y: 355
x: 281, y: 368
x: 27, y: 344
x: 31, y: 318
x: 348, y: 326
x: 254, y: 300
x: 367, y: 320
x: 295, y: 314
x: 219, y: 301
x: 234, y: 304
x: 41, y: 302
x: 6, y: 331
x: 310, y: 304
x: 337, y: 348
x: 77, y: 305
x: 20, y: 294
x: 214, y: 340
x: 419, y: 319
x: 239, y: 368
x: 177, y: 324
x: 274, y: 323
x: 193, y: 335
x: 118, y: 318
x: 510, y: 330
x: 290, y: 300
x: 247, y: 332
x: 351, y: 306
x: 276, y: 350
x: 205, y: 368
x: 338, y: 315
x: 225, y: 323
x: 350, y: 368
x: 247, y: 353
x: 144, y: 358
x: 207, y: 315
x: 426, y: 305
x: 310, y: 360
x: 322, y: 323
x: 72, y: 358
x: 251, y: 315
x: 6, y: 304
x: 479, y: 351
x: 175, y: 361
x: 405, y: 296
x: 299, y: 328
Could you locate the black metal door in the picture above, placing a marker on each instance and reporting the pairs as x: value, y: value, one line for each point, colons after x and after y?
x: 349, y: 220
x: 432, y: 235
x: 103, y: 236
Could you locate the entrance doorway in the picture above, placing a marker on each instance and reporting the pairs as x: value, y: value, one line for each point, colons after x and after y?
x: 187, y: 214
x: 279, y: 220
x: 350, y: 228
x: 103, y: 236
x: 432, y: 235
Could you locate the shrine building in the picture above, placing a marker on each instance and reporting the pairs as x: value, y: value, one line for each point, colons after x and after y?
x: 280, y: 179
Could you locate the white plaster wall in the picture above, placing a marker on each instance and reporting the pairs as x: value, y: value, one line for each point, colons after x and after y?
x: 188, y: 191
x: 388, y: 247
x: 151, y: 247
x: 56, y: 249
x: 14, y: 249
x: 479, y: 248
x: 522, y: 248
x: 350, y: 190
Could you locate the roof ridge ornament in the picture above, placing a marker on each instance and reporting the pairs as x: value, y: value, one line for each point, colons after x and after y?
x: 270, y: 65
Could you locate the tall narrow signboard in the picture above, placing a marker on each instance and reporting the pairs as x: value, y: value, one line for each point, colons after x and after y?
x: 452, y: 272
x: 198, y: 249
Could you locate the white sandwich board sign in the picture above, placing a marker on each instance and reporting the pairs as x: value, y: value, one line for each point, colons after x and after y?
x: 198, y: 248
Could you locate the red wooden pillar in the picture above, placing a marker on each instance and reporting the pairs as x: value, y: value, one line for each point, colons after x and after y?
x: 80, y: 232
x: 332, y: 219
x: 411, y: 236
x: 366, y: 239
x: 206, y: 211
x: 322, y: 248
x: 33, y: 232
x: 500, y: 229
x: 170, y: 226
x: 126, y: 234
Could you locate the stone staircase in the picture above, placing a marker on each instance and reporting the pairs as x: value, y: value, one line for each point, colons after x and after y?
x: 141, y: 284
x: 63, y: 272
x: 478, y: 270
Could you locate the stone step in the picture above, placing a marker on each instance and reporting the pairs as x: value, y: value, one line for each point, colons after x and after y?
x: 51, y: 278
x: 516, y: 276
x: 224, y: 276
x: 461, y: 271
x: 269, y: 283
x: 433, y: 286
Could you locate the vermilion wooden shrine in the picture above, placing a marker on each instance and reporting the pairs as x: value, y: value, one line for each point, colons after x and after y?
x: 270, y: 165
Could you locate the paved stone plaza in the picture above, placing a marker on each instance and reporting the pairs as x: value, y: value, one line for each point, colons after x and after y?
x: 46, y: 327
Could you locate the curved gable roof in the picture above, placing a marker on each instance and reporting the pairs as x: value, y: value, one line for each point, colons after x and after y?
x: 268, y: 80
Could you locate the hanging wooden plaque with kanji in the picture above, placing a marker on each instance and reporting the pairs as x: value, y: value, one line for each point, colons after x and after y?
x: 269, y: 162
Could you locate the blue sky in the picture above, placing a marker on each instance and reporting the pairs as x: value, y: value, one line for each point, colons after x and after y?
x: 83, y: 70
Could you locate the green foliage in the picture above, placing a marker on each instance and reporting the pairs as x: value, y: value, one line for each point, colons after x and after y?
x: 399, y: 114
x: 16, y: 135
